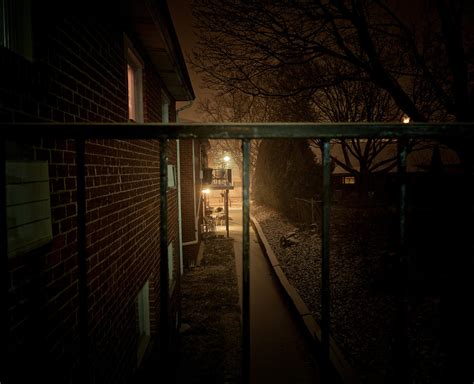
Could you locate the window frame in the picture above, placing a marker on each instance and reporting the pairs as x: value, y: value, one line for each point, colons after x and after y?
x: 348, y: 180
x: 28, y: 206
x: 171, y: 279
x: 165, y: 108
x: 16, y: 27
x: 172, y: 176
x: 135, y: 64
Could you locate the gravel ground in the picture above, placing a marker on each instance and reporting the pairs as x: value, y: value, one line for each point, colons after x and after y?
x: 363, y: 304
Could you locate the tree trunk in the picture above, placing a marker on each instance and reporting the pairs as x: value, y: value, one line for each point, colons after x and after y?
x: 363, y: 184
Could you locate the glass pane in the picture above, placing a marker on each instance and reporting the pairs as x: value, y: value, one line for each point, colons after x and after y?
x: 131, y: 93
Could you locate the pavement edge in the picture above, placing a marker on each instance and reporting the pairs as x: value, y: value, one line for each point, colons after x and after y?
x: 344, y: 369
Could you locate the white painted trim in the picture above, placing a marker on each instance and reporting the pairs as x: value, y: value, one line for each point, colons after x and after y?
x: 180, y: 213
x: 28, y: 206
x: 165, y: 107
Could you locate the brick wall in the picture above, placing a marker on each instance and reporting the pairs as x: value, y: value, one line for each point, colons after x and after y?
x: 79, y: 75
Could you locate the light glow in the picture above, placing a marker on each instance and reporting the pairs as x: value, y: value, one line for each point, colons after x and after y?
x: 132, y: 115
x: 206, y: 191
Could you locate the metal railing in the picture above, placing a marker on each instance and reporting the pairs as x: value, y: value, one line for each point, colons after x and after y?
x: 308, y: 210
x: 245, y: 132
x: 217, y: 177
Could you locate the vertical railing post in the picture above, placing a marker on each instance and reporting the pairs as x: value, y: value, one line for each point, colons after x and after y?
x: 4, y: 256
x: 246, y: 263
x: 402, y: 175
x: 402, y: 370
x: 164, y: 336
x: 325, y: 291
x: 83, y: 314
x: 226, y: 198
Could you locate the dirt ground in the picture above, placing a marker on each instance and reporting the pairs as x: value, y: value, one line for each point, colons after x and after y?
x: 211, y: 328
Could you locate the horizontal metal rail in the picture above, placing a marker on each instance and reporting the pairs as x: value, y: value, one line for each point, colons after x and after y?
x: 237, y: 131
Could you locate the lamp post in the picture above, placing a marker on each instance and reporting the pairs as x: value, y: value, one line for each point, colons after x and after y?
x: 226, y: 195
x: 400, y: 338
x: 226, y: 166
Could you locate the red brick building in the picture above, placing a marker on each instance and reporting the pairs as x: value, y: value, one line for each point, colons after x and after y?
x: 65, y: 63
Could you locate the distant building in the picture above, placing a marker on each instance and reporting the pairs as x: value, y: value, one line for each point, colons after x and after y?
x: 423, y: 161
x: 74, y: 62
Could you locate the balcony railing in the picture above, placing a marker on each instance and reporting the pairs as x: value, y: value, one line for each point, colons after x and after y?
x: 217, y: 178
x: 245, y: 132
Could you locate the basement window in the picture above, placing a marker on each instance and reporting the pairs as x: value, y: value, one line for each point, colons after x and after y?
x: 28, y: 206
x: 171, y: 268
x: 172, y: 176
x: 15, y: 27
x: 165, y: 108
x: 143, y: 303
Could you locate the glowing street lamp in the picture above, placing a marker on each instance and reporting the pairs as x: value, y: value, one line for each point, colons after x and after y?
x: 226, y: 158
x: 405, y: 119
x: 206, y: 191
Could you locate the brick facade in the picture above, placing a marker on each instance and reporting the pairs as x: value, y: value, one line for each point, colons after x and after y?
x: 79, y: 74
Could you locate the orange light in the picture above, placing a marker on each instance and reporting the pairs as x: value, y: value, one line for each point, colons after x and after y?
x: 131, y: 93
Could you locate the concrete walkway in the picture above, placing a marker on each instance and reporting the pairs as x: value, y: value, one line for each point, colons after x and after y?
x: 279, y: 350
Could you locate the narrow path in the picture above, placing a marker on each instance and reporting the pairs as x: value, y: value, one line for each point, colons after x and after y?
x: 279, y: 350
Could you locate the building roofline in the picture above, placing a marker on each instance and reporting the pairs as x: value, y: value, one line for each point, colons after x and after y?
x: 163, y: 21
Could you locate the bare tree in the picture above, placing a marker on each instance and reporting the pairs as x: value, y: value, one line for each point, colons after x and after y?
x: 249, y: 45
x: 356, y: 102
x: 324, y: 50
x: 422, y: 58
x: 234, y: 107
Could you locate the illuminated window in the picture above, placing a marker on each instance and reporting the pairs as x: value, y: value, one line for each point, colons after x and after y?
x: 134, y: 83
x: 131, y: 93
x: 348, y: 180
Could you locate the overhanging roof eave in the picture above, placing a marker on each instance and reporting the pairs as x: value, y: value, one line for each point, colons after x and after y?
x: 180, y: 86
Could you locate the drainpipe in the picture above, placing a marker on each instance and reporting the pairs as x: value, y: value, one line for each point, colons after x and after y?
x: 178, y: 166
x: 196, y: 207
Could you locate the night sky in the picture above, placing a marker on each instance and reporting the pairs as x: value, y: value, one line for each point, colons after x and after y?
x: 182, y: 18
x: 411, y: 11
